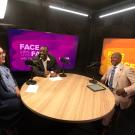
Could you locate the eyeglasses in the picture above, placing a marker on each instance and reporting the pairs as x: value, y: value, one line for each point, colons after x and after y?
x: 2, y: 54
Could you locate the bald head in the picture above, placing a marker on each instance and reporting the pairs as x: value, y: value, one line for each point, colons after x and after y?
x: 43, y: 52
x: 116, y: 58
x: 43, y: 49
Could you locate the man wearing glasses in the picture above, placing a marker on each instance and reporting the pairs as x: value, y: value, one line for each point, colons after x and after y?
x: 10, y: 103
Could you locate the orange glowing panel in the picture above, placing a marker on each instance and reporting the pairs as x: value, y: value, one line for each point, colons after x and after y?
x: 125, y: 46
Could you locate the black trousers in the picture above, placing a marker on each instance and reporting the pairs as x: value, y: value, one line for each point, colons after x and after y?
x: 10, y: 112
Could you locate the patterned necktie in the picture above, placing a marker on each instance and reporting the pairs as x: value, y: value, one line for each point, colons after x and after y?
x: 110, y: 83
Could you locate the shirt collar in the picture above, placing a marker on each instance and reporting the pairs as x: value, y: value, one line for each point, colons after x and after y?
x: 117, y: 66
x: 48, y: 59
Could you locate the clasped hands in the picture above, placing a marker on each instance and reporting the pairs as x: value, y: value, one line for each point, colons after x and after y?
x: 51, y: 73
x: 121, y: 92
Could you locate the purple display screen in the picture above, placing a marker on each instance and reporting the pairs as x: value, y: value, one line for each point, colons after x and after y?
x: 25, y: 44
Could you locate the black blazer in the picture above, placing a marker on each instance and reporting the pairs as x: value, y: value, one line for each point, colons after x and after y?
x: 39, y: 68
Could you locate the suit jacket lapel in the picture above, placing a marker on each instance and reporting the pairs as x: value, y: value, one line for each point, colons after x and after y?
x: 41, y: 65
x: 115, y: 83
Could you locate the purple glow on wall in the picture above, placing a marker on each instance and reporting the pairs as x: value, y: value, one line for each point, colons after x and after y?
x: 25, y: 44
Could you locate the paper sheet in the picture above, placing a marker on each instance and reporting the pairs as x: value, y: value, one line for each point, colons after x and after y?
x: 58, y: 78
x: 32, y: 88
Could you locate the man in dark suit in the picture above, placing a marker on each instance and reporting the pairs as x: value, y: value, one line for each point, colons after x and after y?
x: 10, y: 102
x: 44, y: 63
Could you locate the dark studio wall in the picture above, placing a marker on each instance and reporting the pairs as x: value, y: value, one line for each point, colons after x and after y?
x: 91, y: 31
x: 39, y: 17
x: 116, y: 26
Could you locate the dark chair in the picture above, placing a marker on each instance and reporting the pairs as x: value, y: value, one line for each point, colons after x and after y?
x: 10, y: 116
x: 9, y: 126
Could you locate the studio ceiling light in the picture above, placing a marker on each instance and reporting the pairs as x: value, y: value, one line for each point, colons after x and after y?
x: 69, y: 11
x: 3, y: 5
x: 117, y: 12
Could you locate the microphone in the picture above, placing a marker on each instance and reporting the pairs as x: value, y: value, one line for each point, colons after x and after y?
x: 42, y: 57
x: 31, y: 62
x: 64, y: 60
x: 93, y: 64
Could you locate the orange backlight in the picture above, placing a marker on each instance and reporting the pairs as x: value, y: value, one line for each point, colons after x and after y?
x: 125, y: 46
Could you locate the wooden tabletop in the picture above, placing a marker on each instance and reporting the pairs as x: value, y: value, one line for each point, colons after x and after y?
x: 68, y: 99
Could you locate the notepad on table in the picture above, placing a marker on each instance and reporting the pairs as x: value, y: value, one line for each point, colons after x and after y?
x: 58, y: 78
x: 32, y: 88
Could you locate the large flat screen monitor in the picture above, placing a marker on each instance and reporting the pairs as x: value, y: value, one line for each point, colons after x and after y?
x: 123, y: 45
x: 25, y: 44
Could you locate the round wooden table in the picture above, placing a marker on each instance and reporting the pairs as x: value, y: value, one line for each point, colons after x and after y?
x: 68, y: 99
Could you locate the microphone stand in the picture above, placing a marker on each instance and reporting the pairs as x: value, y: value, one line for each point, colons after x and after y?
x: 63, y: 71
x: 93, y: 80
x: 31, y: 81
x: 92, y: 73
